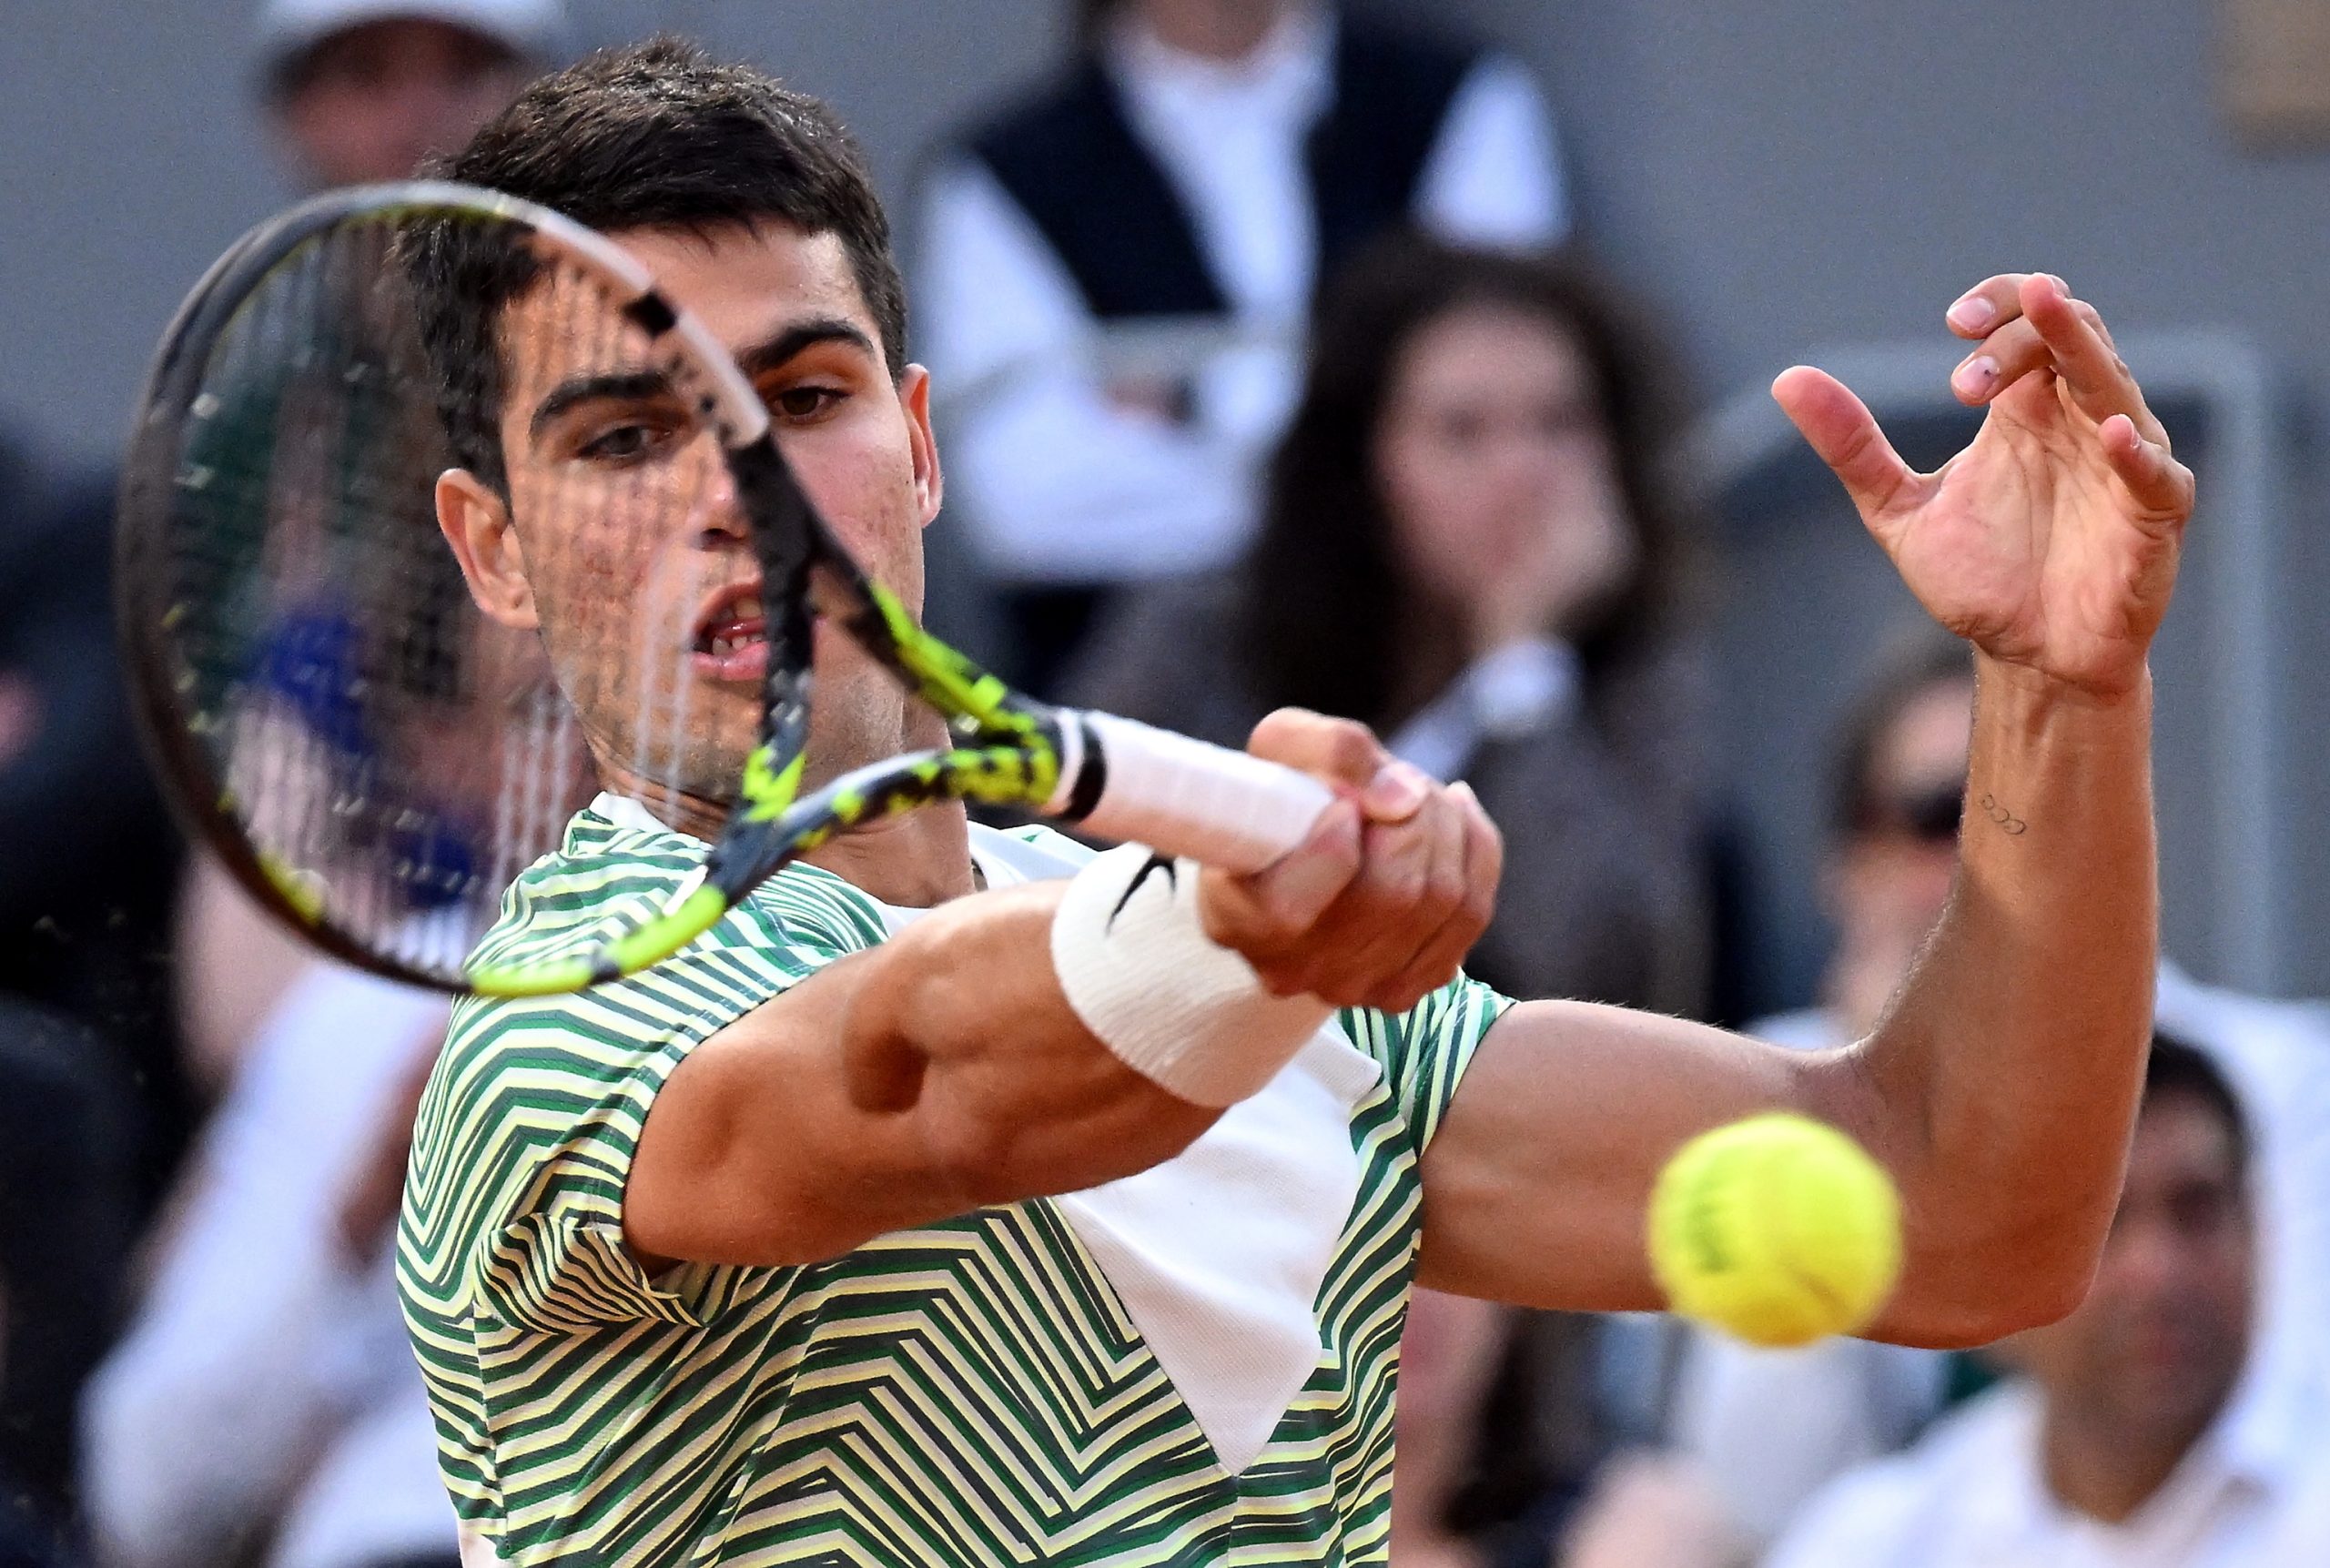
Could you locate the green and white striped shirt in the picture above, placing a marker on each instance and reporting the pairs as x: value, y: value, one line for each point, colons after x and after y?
x: 1067, y: 1381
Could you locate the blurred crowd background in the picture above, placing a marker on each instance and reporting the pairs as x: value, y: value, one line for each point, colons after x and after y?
x: 1403, y: 362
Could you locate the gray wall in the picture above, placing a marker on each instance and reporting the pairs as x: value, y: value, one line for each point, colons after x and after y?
x: 1781, y: 175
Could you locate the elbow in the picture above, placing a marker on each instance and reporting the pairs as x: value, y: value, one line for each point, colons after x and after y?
x: 1972, y: 1293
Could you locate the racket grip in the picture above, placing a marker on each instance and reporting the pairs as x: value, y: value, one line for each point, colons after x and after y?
x: 1188, y: 797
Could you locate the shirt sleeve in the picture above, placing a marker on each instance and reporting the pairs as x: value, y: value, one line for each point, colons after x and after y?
x: 1424, y: 1051
x: 529, y: 1129
x: 1495, y: 176
x: 1061, y: 484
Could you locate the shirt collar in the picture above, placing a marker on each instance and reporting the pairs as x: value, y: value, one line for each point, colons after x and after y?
x: 992, y: 851
x: 2259, y: 1441
x: 2271, y: 1427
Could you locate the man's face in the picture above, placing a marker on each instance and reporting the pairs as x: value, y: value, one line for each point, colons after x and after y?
x: 1889, y: 880
x: 624, y: 543
x: 374, y: 100
x: 2158, y: 1345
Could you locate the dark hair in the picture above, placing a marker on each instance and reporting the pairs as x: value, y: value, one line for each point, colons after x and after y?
x: 1319, y: 613
x: 2176, y: 1068
x: 654, y: 136
x: 1923, y: 657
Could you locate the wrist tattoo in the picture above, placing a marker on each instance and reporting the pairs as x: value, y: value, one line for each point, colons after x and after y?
x: 2001, y: 818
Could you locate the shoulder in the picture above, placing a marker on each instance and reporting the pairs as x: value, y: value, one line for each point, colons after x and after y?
x: 1424, y: 1051
x: 605, y: 877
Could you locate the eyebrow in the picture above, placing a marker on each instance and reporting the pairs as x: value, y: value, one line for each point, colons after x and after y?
x: 642, y: 386
x: 799, y: 338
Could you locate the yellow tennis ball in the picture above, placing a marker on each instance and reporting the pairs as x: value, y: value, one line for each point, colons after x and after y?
x: 1778, y: 1230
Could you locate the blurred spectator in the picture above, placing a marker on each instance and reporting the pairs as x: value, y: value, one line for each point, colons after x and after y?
x: 265, y: 1406
x: 1464, y: 545
x: 96, y: 1112
x: 1498, y: 1431
x: 363, y: 90
x: 1761, y: 1430
x: 1202, y: 161
x: 2140, y: 1434
x: 85, y: 899
x: 65, y: 1170
x: 356, y: 90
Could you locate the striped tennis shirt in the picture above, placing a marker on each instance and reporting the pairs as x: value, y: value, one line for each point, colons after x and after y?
x: 1194, y: 1365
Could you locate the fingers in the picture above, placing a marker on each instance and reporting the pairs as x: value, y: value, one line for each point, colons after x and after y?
x: 1478, y: 863
x: 2034, y: 323
x: 1411, y: 885
x: 2159, y: 485
x: 1275, y: 909
x: 1991, y: 303
x: 1844, y: 436
x: 1423, y: 890
x: 1337, y: 751
x: 1346, y: 754
x: 1394, y: 883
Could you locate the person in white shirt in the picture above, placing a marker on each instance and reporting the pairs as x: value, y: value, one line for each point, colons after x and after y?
x: 1757, y: 1432
x: 264, y: 1405
x: 1205, y: 161
x: 2142, y: 1434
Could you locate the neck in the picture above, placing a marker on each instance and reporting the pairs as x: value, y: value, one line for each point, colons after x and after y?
x: 2095, y: 1465
x: 913, y: 862
x: 1223, y: 30
x: 1431, y: 656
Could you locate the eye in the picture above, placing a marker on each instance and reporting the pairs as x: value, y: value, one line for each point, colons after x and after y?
x: 626, y: 442
x: 802, y: 403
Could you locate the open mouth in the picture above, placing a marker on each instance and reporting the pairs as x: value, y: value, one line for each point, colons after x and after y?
x: 732, y: 634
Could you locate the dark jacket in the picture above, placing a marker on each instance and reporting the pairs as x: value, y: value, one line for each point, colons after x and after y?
x: 1603, y: 897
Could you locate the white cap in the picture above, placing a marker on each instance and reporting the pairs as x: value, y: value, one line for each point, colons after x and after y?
x: 290, y: 29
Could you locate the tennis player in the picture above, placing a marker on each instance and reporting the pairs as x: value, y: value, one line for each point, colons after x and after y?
x: 967, y: 1198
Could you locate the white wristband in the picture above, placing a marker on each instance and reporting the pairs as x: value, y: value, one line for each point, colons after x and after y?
x: 1189, y: 1015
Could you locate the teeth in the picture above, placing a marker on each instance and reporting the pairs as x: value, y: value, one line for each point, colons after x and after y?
x: 748, y: 609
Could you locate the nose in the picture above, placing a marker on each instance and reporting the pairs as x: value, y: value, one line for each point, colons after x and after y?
x: 716, y: 516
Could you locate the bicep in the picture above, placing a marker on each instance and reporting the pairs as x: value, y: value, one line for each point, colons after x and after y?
x: 895, y: 1087
x: 1537, y: 1183
x: 756, y: 1150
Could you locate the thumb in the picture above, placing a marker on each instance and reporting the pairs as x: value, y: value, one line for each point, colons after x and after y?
x: 1843, y: 434
x: 1285, y: 898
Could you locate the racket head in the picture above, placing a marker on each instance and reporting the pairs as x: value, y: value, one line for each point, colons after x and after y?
x: 368, y: 750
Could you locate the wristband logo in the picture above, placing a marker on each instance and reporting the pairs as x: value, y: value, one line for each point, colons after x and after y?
x: 1154, y: 863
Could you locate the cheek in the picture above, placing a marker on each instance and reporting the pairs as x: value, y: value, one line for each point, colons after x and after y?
x: 1437, y: 524
x: 862, y: 482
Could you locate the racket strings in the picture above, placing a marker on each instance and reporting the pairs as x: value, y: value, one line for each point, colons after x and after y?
x: 394, y: 757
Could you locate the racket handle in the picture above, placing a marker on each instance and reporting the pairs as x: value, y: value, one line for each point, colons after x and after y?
x: 1183, y: 796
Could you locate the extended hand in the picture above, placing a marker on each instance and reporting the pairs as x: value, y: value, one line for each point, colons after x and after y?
x: 2052, y: 540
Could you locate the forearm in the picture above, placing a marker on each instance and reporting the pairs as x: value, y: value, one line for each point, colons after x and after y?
x: 2001, y: 1083
x: 866, y: 1100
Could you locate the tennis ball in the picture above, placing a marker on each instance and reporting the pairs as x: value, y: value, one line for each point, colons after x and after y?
x: 1778, y: 1230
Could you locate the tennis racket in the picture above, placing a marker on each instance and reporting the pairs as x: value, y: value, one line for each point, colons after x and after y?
x: 376, y: 756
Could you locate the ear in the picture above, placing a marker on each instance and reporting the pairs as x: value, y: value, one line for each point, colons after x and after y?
x: 476, y: 523
x: 929, y: 483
